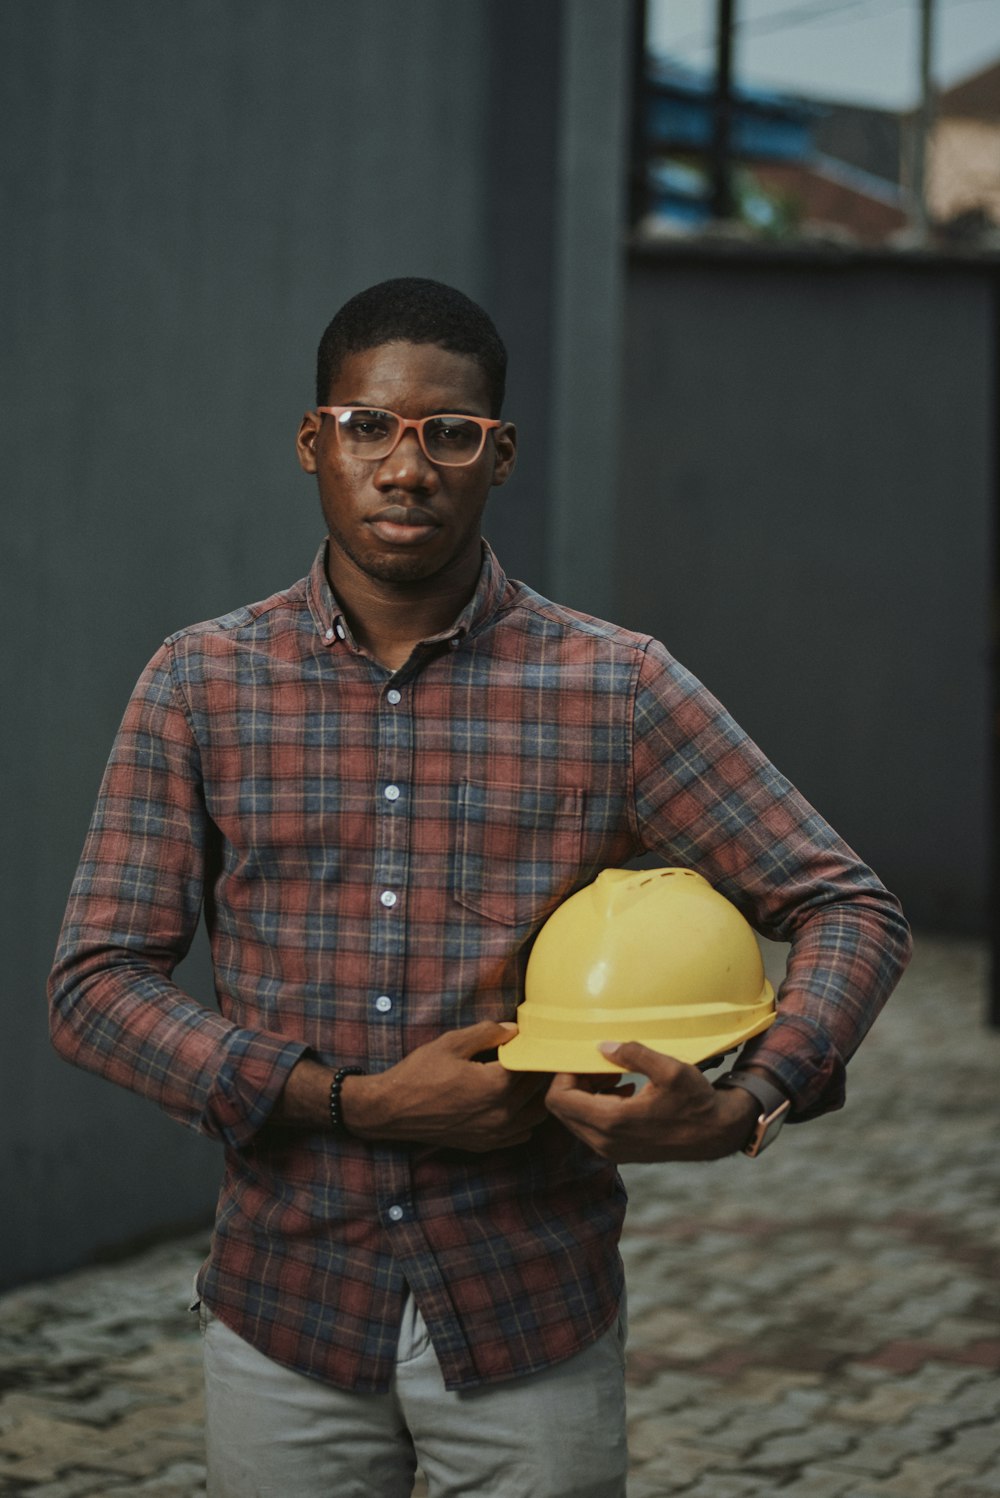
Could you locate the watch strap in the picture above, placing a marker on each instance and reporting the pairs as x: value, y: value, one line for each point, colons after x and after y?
x: 773, y: 1103
x: 769, y: 1096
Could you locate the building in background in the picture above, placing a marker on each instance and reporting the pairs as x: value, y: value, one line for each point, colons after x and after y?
x: 963, y: 180
x: 820, y: 168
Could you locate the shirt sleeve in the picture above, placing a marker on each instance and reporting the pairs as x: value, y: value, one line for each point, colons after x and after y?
x: 132, y: 913
x: 707, y: 798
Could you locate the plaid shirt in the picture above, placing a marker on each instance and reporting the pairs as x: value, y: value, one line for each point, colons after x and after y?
x: 375, y: 851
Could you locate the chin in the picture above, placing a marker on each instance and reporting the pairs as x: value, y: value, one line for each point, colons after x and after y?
x: 400, y: 569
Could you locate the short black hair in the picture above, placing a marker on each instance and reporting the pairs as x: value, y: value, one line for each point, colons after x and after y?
x: 410, y: 309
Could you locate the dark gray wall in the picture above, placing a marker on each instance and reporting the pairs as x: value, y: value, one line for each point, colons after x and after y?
x: 187, y: 193
x: 806, y: 520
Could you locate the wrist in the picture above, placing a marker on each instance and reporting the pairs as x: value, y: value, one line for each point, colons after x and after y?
x: 360, y: 1107
x: 769, y: 1106
x: 738, y: 1113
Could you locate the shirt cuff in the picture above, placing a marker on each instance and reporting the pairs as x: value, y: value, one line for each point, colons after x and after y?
x: 801, y: 1059
x: 249, y: 1084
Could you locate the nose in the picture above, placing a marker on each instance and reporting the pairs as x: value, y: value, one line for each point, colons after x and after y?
x: 407, y: 466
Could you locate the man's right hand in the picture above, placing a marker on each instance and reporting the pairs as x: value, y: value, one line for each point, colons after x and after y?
x: 437, y: 1095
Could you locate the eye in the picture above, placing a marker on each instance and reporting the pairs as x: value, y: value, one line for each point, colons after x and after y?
x: 366, y: 425
x: 452, y: 432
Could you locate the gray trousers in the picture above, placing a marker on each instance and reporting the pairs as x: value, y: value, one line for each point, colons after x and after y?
x: 272, y: 1433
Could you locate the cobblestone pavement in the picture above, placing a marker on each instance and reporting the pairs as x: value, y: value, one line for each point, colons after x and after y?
x: 823, y: 1321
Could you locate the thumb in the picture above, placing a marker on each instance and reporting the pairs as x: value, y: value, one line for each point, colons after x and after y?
x: 484, y: 1036
x: 635, y: 1057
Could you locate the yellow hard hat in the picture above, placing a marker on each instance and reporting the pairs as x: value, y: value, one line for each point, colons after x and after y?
x: 655, y: 955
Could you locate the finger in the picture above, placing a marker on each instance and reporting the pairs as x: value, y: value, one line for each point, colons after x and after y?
x: 515, y: 1085
x: 563, y: 1081
x: 597, y: 1110
x: 606, y: 1082
x: 483, y: 1036
x: 635, y: 1057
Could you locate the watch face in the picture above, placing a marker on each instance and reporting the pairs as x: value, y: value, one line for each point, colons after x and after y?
x: 766, y: 1130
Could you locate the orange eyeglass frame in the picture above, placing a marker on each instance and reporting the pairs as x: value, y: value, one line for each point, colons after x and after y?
x: 418, y: 423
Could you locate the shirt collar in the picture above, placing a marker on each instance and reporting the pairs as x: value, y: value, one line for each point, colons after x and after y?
x: 333, y: 628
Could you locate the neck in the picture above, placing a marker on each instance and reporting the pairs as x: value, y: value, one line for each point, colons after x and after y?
x: 387, y: 617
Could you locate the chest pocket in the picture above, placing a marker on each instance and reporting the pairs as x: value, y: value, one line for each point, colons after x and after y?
x: 518, y: 849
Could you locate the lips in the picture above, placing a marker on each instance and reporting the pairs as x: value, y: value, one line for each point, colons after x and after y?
x: 403, y: 525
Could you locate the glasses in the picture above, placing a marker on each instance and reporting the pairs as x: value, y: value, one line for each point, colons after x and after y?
x: 449, y: 441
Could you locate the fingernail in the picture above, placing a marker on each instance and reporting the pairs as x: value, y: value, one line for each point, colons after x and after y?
x: 506, y: 1024
x: 607, y: 1046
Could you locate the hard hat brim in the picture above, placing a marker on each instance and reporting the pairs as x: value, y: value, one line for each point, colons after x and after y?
x: 530, y: 1053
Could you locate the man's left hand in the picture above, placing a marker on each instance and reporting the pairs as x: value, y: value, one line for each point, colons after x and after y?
x: 677, y: 1115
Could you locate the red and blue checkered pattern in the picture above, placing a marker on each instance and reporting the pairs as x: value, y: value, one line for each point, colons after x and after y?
x: 355, y: 836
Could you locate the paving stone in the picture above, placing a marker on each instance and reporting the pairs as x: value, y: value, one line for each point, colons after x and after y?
x: 723, y: 1485
x: 641, y: 1486
x: 654, y: 1434
x: 789, y: 1416
x: 820, y: 1442
x: 885, y: 1404
x: 974, y: 1444
x: 881, y: 1451
x: 991, y: 1472
x: 918, y: 1477
x: 820, y: 1482
x: 978, y: 1397
x: 666, y: 1391
x: 679, y: 1466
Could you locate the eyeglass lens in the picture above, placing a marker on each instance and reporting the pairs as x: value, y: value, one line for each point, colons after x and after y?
x: 445, y: 439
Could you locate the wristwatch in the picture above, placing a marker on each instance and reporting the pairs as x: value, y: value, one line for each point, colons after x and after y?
x: 774, y: 1108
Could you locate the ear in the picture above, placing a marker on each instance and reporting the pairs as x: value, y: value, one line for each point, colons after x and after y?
x: 505, y: 446
x: 305, y: 441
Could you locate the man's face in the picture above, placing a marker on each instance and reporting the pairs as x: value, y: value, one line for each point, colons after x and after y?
x: 403, y: 519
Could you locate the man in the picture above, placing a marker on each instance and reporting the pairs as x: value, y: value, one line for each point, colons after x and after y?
x: 379, y: 783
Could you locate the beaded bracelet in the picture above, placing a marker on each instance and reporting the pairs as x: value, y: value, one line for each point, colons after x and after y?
x: 336, y: 1117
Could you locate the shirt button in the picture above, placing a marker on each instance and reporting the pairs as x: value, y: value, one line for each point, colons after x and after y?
x: 395, y: 1214
x: 391, y: 793
x: 388, y: 898
x: 393, y: 696
x: 328, y: 635
x: 341, y: 632
x: 383, y: 1003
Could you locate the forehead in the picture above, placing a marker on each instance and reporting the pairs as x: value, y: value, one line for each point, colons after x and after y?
x: 413, y: 379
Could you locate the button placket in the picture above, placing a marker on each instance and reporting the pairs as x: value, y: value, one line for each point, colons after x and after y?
x: 392, y: 795
x: 392, y: 853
